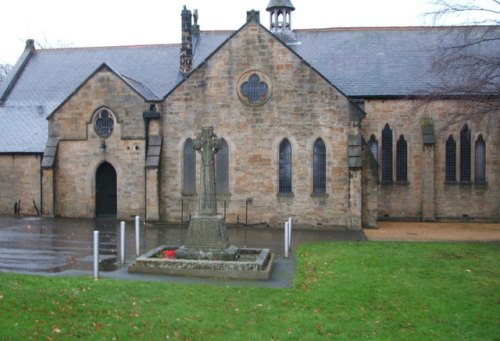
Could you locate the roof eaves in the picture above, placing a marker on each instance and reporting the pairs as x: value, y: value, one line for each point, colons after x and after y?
x: 17, y: 70
x: 99, y: 68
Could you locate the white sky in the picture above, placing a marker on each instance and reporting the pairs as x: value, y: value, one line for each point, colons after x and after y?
x: 77, y: 23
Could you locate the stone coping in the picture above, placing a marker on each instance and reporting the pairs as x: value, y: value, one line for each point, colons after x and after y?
x: 258, y: 268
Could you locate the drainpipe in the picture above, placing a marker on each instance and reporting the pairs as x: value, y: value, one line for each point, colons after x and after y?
x: 147, y: 115
x: 41, y: 185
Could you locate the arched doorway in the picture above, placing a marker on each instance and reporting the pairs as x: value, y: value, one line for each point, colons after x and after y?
x: 105, y: 190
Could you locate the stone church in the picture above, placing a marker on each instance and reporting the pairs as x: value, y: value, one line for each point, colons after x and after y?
x: 321, y: 125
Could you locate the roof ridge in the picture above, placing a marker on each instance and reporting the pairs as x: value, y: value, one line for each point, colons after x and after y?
x: 391, y: 28
x: 72, y: 48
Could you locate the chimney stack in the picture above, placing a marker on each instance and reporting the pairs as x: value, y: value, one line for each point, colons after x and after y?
x: 187, y: 44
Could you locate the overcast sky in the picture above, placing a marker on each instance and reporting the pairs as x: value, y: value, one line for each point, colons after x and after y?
x: 78, y: 23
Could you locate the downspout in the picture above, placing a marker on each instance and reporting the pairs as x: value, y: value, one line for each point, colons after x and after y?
x: 147, y: 116
x: 41, y: 185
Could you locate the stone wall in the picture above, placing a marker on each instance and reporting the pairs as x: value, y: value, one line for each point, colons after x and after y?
x: 80, y: 154
x: 450, y: 201
x: 302, y: 108
x: 20, y: 179
x: 103, y: 89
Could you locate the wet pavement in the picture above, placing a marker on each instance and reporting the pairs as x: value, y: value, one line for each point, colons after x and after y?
x: 56, y: 246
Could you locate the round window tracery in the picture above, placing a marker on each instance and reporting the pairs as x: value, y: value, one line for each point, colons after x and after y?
x: 104, y: 123
x: 254, y: 88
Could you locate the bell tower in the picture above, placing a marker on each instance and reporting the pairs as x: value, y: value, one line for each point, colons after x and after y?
x: 281, y: 20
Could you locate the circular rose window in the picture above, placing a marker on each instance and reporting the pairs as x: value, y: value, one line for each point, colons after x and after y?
x: 254, y: 88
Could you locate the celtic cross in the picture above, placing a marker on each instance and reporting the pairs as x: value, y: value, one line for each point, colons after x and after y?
x: 207, y: 144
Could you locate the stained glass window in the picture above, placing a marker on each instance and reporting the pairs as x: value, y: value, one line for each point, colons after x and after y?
x: 401, y: 160
x: 319, y: 167
x: 465, y: 154
x: 103, y: 123
x: 386, y: 154
x: 222, y: 168
x: 254, y: 89
x: 285, y: 167
x: 480, y: 164
x: 373, y: 145
x: 450, y: 166
x: 189, y: 168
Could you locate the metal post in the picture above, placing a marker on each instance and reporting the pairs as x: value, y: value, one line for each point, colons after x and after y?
x: 286, y: 239
x: 122, y: 242
x: 96, y: 254
x: 246, y: 213
x: 224, y: 210
x: 182, y: 211
x: 137, y: 236
x: 290, y: 234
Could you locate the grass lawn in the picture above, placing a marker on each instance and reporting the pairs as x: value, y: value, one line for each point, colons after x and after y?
x: 366, y: 290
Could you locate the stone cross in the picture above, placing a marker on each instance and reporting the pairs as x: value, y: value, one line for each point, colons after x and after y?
x: 207, y: 144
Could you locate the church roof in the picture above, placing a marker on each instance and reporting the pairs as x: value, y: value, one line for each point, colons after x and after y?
x: 361, y: 62
x: 23, y: 129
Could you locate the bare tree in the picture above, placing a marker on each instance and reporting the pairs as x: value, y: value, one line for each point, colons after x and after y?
x: 4, y: 71
x: 467, y: 64
x: 471, y: 12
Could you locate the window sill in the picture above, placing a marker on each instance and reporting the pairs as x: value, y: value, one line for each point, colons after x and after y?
x: 481, y: 183
x: 387, y: 183
x: 402, y: 183
x: 465, y: 183
x: 319, y: 195
x: 188, y: 195
x: 285, y: 195
x: 450, y: 183
x: 224, y: 196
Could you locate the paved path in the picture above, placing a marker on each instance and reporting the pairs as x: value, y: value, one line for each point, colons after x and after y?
x: 60, y: 247
x: 64, y: 247
x: 433, y: 232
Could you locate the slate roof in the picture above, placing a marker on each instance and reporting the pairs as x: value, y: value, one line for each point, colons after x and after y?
x: 23, y: 129
x: 361, y: 62
x: 383, y: 62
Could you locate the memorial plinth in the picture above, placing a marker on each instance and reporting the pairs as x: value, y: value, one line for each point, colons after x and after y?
x: 207, y: 251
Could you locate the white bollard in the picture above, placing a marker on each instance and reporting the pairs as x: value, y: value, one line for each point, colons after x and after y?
x: 122, y: 242
x: 137, y: 236
x: 290, y: 234
x: 96, y: 254
x: 286, y: 239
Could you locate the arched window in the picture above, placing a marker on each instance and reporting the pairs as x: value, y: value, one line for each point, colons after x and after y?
x: 373, y: 145
x: 189, y: 168
x: 402, y: 160
x: 319, y: 167
x: 465, y: 154
x: 480, y: 164
x: 222, y: 168
x: 285, y: 167
x: 450, y: 166
x: 386, y: 154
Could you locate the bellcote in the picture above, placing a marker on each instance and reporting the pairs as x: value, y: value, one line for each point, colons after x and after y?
x: 281, y: 20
